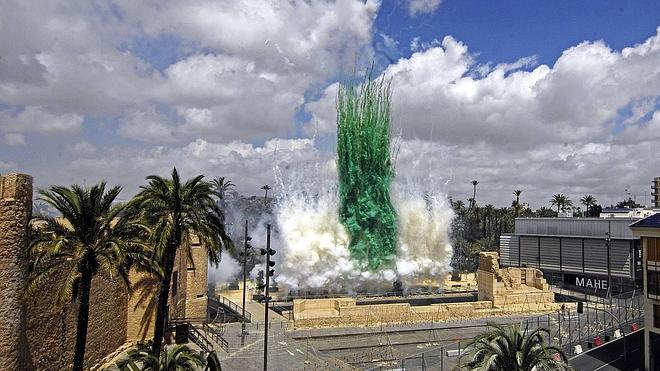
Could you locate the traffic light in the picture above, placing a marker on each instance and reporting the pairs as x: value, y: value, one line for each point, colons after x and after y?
x: 580, y: 307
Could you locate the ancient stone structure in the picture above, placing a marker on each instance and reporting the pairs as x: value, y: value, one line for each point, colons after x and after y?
x: 501, y: 292
x: 15, y: 212
x: 510, y: 286
x: 38, y: 335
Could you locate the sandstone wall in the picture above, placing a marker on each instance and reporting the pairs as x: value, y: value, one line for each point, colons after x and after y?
x: 15, y: 211
x: 141, y: 308
x: 196, y: 290
x: 51, y: 330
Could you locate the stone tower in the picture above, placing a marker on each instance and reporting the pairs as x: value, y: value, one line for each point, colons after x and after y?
x: 15, y: 213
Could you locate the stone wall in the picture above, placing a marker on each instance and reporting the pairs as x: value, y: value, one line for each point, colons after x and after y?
x: 15, y: 212
x: 38, y: 335
x: 142, y: 304
x: 196, y: 290
x: 51, y: 330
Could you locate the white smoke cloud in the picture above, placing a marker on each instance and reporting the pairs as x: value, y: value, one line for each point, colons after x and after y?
x: 314, y: 243
x: 227, y: 270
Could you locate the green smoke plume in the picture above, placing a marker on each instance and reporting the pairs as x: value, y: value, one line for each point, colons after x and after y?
x: 366, y: 172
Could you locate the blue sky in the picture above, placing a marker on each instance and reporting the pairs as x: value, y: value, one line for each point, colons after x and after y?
x: 503, y: 31
x: 122, y: 90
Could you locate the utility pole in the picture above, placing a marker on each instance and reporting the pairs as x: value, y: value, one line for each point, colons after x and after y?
x: 269, y: 272
x: 608, y: 240
x: 245, y: 257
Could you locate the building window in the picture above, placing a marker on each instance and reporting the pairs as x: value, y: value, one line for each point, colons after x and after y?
x: 653, y: 250
x: 175, y: 282
x: 652, y: 283
x: 656, y: 315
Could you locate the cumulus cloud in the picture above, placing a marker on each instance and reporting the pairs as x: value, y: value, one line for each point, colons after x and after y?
x: 14, y: 139
x: 243, y: 69
x: 33, y: 119
x: 542, y: 128
x: 416, y: 7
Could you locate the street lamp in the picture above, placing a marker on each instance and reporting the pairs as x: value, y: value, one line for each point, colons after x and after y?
x: 623, y: 334
x: 245, y: 257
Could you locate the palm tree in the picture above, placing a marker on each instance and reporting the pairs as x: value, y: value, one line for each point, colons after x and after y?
x: 474, y: 192
x: 517, y: 193
x: 93, y: 235
x: 176, y: 358
x: 507, y: 348
x: 588, y: 201
x: 177, y: 211
x: 561, y: 201
x: 222, y: 186
x: 266, y: 188
x: 458, y: 205
x: 545, y: 212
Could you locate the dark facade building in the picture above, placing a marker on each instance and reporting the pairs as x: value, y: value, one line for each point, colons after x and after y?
x: 590, y: 255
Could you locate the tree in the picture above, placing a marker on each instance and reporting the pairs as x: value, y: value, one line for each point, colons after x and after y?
x: 629, y: 203
x: 266, y: 188
x: 178, y: 211
x: 474, y: 192
x: 507, y: 348
x: 91, y: 236
x: 588, y: 201
x: 176, y: 358
x: 545, y: 212
x: 516, y: 204
x: 517, y: 193
x: 458, y: 205
x: 561, y: 201
x: 221, y: 186
x: 260, y: 281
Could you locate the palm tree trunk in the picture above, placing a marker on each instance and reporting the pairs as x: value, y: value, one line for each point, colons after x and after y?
x: 83, y: 319
x: 163, y: 295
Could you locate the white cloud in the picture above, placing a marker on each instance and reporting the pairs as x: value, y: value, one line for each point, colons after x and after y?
x: 416, y: 7
x: 586, y: 124
x: 33, y: 119
x: 14, y: 139
x: 544, y: 129
x: 7, y: 166
x: 148, y: 126
x: 83, y: 149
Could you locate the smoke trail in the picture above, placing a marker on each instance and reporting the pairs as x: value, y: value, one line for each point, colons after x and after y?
x: 365, y: 172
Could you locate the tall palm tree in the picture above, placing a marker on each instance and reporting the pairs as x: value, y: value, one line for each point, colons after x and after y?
x: 222, y: 186
x: 91, y: 236
x: 266, y: 188
x: 507, y: 348
x: 561, y: 201
x: 588, y: 201
x: 517, y: 193
x: 474, y: 192
x: 176, y: 211
x: 176, y: 358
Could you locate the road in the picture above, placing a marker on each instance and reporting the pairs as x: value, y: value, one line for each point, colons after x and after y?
x: 609, y: 357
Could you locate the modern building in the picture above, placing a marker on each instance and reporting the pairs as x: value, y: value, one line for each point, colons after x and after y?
x: 588, y: 255
x: 624, y: 212
x: 648, y: 230
x: 655, y: 192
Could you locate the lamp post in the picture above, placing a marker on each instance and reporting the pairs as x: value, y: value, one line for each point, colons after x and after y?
x: 623, y: 334
x: 269, y: 272
x: 245, y: 257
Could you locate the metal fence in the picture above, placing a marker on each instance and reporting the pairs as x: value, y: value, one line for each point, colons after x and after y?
x: 217, y: 300
x: 601, y: 320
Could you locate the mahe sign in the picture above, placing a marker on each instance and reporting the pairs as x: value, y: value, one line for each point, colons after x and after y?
x: 586, y: 283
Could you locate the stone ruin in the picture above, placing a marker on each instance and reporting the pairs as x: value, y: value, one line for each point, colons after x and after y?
x: 502, y: 291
